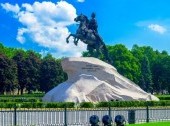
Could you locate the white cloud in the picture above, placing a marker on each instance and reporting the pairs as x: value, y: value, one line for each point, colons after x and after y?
x: 46, y: 24
x: 157, y: 28
x: 80, y: 0
x: 13, y: 8
x: 20, y: 35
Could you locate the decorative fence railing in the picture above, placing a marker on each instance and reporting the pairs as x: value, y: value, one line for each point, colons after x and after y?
x: 71, y: 117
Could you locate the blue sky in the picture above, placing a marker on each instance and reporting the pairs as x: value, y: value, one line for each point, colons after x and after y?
x: 43, y: 25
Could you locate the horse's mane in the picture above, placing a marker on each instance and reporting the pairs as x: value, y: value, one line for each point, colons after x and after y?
x: 87, y: 20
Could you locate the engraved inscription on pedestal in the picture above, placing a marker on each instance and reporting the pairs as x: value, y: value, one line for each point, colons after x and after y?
x: 91, y: 68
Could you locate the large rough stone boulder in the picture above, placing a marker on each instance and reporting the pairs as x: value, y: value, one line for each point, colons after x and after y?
x: 92, y: 80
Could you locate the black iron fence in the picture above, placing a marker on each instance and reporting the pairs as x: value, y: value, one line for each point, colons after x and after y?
x: 79, y: 116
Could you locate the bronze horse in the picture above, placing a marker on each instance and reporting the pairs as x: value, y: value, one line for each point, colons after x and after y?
x: 88, y: 36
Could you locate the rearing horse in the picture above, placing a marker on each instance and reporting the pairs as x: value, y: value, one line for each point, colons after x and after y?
x: 87, y: 36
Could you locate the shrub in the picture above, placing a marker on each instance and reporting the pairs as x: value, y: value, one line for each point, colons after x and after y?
x: 164, y: 97
x: 60, y: 105
x: 20, y: 99
x: 51, y: 105
x: 38, y: 104
x: 26, y: 105
x: 86, y: 105
x: 23, y: 95
x: 103, y: 104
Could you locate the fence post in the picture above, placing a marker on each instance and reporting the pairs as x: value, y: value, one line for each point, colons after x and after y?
x: 147, y: 112
x: 65, y: 116
x: 109, y: 110
x: 15, y: 115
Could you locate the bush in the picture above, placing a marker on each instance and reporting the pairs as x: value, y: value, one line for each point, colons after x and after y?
x: 8, y: 105
x: 21, y: 99
x: 38, y: 104
x: 23, y: 95
x: 51, y: 105
x: 86, y: 105
x: 164, y: 97
x: 26, y: 105
x: 102, y: 104
x: 60, y: 105
x: 121, y: 104
x: 133, y: 103
x: 68, y: 104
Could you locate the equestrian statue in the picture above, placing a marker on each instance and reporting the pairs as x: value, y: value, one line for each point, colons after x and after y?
x: 88, y: 33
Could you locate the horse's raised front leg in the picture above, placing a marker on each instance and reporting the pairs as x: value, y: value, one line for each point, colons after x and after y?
x: 67, y: 39
x: 76, y: 40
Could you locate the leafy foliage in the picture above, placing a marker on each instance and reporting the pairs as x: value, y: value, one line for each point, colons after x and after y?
x: 51, y: 73
x: 146, y: 67
x: 33, y: 62
x: 86, y: 105
x: 8, y: 74
x: 19, y: 58
x: 146, y: 76
x: 37, y: 104
x: 125, y: 62
x: 29, y: 71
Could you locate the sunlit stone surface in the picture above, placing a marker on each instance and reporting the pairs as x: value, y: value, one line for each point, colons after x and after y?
x: 92, y: 80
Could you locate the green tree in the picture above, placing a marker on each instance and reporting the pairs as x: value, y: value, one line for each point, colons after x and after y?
x: 8, y: 74
x: 32, y: 61
x: 157, y: 72
x: 11, y: 76
x: 9, y: 52
x: 166, y: 73
x: 51, y: 73
x: 157, y: 77
x: 146, y: 76
x: 2, y: 49
x: 125, y: 62
x: 140, y: 53
x: 3, y: 67
x: 19, y: 58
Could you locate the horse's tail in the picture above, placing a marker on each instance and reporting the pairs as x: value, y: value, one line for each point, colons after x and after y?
x: 106, y: 53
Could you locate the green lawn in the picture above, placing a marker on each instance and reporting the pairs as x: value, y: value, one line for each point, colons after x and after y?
x: 152, y: 124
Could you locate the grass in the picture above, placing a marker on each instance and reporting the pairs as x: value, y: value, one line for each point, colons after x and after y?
x: 152, y: 124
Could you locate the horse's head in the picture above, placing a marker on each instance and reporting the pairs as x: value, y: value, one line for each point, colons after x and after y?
x: 81, y: 18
